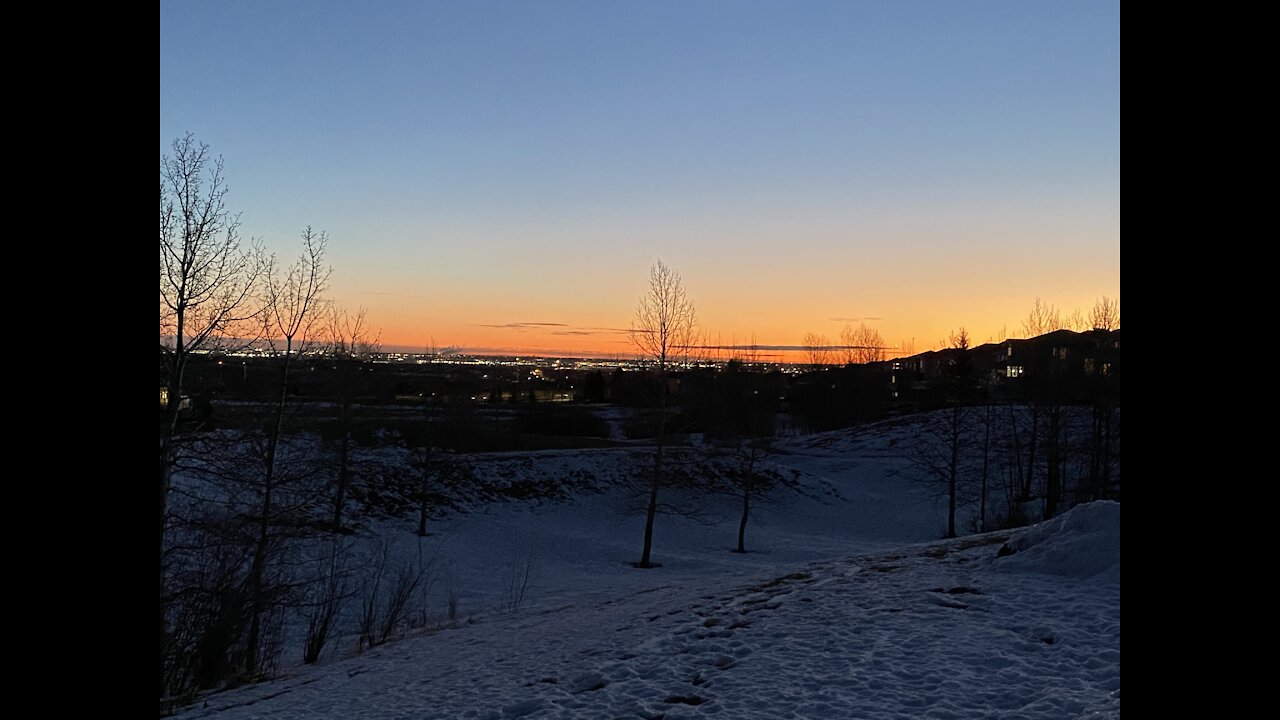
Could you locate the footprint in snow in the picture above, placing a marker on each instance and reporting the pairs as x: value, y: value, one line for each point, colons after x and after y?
x: 586, y: 682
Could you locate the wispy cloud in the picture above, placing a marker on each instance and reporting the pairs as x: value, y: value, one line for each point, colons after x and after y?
x: 791, y: 348
x: 567, y: 328
x: 522, y: 325
x: 527, y: 352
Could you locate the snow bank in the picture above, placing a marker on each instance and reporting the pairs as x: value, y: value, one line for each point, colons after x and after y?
x: 1084, y: 542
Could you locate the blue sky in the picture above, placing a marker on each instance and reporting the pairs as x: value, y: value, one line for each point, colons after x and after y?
x: 796, y: 161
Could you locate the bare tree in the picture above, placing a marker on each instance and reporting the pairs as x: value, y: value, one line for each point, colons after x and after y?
x: 350, y: 343
x: 750, y: 354
x: 941, y: 445
x: 1105, y: 314
x: 863, y: 345
x: 386, y: 606
x: 207, y: 288
x: 743, y: 426
x: 664, y: 327
x: 1076, y: 321
x: 328, y: 591
x: 293, y: 309
x: 294, y: 295
x: 1043, y: 318
x: 207, y: 280
x: 817, y: 350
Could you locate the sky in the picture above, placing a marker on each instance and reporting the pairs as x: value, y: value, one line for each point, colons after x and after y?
x: 499, y: 177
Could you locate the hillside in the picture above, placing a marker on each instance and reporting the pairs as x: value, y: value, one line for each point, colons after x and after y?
x: 845, y: 606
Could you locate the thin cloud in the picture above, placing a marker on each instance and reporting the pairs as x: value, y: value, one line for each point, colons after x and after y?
x: 791, y: 348
x: 522, y: 325
x: 525, y: 352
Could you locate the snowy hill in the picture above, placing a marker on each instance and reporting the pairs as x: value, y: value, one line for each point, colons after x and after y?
x: 947, y: 629
x: 844, y: 606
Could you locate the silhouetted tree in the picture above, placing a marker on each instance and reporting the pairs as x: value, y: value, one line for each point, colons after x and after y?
x: 293, y: 309
x: 745, y: 426
x: 863, y: 345
x: 1105, y: 314
x: 207, y: 292
x: 1043, y: 318
x: 940, y: 449
x: 817, y: 350
x: 350, y: 343
x: 663, y: 329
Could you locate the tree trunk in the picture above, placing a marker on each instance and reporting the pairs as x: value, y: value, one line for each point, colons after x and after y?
x: 1106, y: 450
x: 1027, y: 479
x: 1053, y: 456
x: 344, y: 447
x: 1014, y: 481
x: 986, y: 454
x: 746, y: 501
x: 951, y: 492
x: 340, y: 493
x: 168, y: 458
x: 257, y: 573
x: 424, y: 504
x: 652, y: 509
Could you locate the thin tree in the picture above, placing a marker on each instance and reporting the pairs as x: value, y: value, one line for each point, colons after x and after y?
x: 293, y: 299
x: 1105, y: 314
x: 207, y: 280
x: 1076, y: 321
x: 1043, y: 318
x: 817, y: 350
x: 663, y: 330
x: 960, y: 376
x: 862, y: 345
x: 744, y: 424
x: 208, y: 285
x: 940, y: 449
x: 349, y: 344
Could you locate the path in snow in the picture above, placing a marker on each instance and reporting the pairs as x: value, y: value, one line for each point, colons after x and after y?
x: 945, y: 630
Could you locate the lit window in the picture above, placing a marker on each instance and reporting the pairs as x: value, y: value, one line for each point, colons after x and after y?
x: 1013, y: 371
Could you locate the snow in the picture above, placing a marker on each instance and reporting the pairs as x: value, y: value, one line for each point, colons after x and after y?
x: 1082, y: 543
x: 845, y: 606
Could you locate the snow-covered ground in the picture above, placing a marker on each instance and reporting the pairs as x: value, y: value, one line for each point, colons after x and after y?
x: 845, y: 607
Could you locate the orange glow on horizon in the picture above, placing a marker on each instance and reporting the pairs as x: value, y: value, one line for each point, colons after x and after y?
x: 534, y: 337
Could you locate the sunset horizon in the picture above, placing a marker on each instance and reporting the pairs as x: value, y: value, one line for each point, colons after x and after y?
x: 500, y: 177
